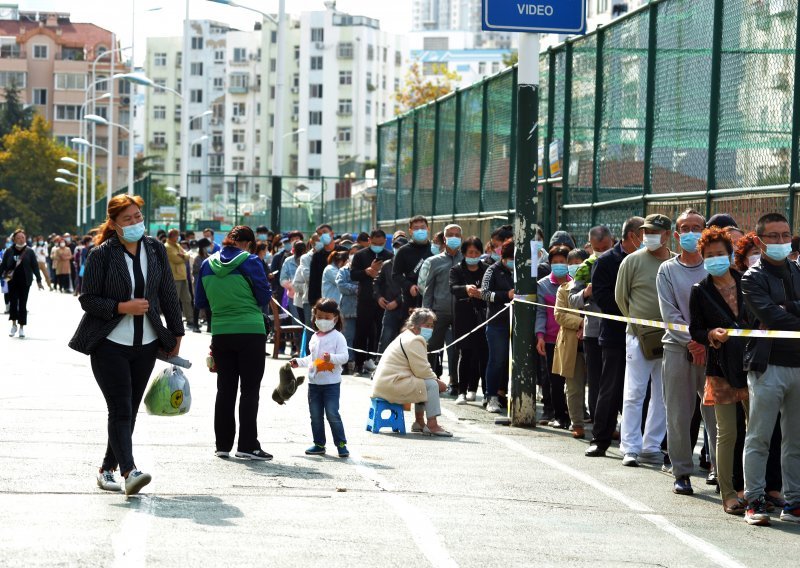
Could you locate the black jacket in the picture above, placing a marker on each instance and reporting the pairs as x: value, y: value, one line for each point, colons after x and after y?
x: 385, y: 286
x: 773, y: 306
x: 28, y: 267
x: 468, y: 312
x: 106, y: 283
x: 709, y: 310
x: 358, y: 266
x: 604, y: 281
x: 319, y: 260
x: 273, y: 275
x: 405, y: 269
x: 497, y: 281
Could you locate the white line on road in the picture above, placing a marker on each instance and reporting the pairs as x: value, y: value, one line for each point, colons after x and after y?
x: 130, y: 541
x: 713, y: 553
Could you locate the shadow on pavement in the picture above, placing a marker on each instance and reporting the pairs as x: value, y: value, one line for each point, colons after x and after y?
x: 272, y: 469
x: 202, y: 509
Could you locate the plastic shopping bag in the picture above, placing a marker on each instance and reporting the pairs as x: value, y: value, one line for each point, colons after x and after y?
x: 169, y: 393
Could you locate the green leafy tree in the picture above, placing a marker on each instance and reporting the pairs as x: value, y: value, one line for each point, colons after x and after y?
x: 420, y: 89
x: 510, y: 59
x: 28, y: 195
x: 14, y: 113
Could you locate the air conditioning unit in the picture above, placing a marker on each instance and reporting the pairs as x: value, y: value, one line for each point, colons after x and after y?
x: 235, y: 119
x: 319, y: 45
x: 295, y: 90
x: 294, y: 118
x: 125, y: 101
x: 241, y: 147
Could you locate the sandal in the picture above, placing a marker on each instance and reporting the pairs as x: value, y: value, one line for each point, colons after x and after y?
x: 737, y: 508
x: 441, y: 432
x: 417, y: 427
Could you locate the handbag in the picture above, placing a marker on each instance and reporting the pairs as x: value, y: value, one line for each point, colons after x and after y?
x: 650, y: 341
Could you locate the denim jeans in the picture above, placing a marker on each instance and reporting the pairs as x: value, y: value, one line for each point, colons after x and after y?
x: 323, y: 400
x: 497, y: 364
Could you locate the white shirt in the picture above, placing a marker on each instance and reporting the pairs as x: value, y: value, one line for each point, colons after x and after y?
x: 41, y: 253
x: 123, y: 333
x: 332, y: 342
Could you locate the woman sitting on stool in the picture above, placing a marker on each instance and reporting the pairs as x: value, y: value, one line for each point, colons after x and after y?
x: 404, y: 375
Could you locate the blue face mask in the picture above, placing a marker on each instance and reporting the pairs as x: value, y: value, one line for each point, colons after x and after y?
x: 376, y: 248
x: 262, y: 237
x: 287, y: 247
x: 779, y: 252
x: 689, y: 241
x: 472, y: 261
x: 510, y: 264
x: 8, y: 244
x: 318, y: 245
x: 132, y: 233
x: 453, y: 242
x: 426, y: 332
x: 210, y: 250
x: 573, y: 269
x: 420, y: 235
x: 495, y: 256
x: 559, y: 270
x: 325, y: 239
x: 435, y: 249
x: 717, y: 265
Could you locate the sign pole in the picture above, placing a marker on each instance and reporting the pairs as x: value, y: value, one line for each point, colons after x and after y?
x: 522, y: 401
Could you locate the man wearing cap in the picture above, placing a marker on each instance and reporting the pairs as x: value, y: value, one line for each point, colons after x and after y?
x: 683, y: 369
x: 637, y: 297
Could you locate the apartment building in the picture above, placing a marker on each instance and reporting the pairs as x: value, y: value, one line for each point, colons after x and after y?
x: 52, y: 60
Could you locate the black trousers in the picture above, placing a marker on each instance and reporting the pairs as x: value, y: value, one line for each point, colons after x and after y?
x: 239, y: 358
x: 63, y: 282
x: 594, y: 370
x: 18, y: 297
x: 368, y: 330
x: 473, y: 354
x: 558, y: 397
x: 609, y: 398
x: 122, y: 372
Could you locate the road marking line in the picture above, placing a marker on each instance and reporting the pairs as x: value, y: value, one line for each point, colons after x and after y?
x: 130, y: 540
x: 710, y: 551
x: 422, y: 530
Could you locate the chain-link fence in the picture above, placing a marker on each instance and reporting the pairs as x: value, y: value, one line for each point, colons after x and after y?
x: 680, y: 103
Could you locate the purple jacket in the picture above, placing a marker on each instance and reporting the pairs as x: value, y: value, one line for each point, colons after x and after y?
x: 546, y: 325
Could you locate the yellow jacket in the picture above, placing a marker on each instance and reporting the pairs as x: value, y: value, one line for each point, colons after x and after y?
x: 177, y: 260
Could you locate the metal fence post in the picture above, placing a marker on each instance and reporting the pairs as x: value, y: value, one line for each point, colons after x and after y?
x: 397, y: 169
x: 236, y: 200
x: 379, y: 168
x: 549, y: 203
x: 568, y: 54
x: 650, y: 113
x: 457, y: 151
x: 484, y: 152
x: 436, y: 125
x: 598, y: 118
x: 794, y: 172
x: 277, y: 198
x: 414, y: 161
x: 513, y: 154
x: 713, y: 121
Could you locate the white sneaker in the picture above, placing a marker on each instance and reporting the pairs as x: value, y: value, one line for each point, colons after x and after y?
x: 22, y: 332
x: 631, y: 460
x: 13, y: 331
x: 108, y: 481
x: 462, y: 399
x: 370, y: 366
x: 494, y: 405
x: 471, y: 396
x: 135, y: 481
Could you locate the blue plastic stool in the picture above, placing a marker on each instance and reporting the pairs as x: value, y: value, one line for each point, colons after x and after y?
x: 376, y: 421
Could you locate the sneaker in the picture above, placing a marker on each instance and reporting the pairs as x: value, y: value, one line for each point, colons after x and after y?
x: 756, y: 513
x: 370, y: 366
x: 711, y: 478
x: 462, y: 399
x: 315, y: 450
x: 471, y: 396
x: 107, y: 481
x: 222, y: 454
x: 342, y: 449
x: 791, y: 514
x: 683, y: 486
x: 545, y: 419
x: 135, y: 481
x: 13, y: 331
x: 666, y: 469
x: 631, y: 460
x: 494, y: 405
x: 258, y: 455
x: 22, y: 332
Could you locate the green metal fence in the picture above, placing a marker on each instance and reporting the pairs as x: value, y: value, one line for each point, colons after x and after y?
x: 680, y: 103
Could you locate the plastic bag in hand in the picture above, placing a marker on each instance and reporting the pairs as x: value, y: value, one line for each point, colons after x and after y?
x: 169, y: 393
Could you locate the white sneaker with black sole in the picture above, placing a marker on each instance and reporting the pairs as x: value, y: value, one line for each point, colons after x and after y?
x: 13, y: 331
x: 494, y: 406
x: 462, y: 399
x: 471, y: 396
x: 631, y: 460
x: 107, y: 481
x: 135, y: 481
x: 22, y: 332
x: 222, y: 454
x: 259, y: 455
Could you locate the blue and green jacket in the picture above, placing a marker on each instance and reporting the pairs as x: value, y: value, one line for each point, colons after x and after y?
x: 233, y: 284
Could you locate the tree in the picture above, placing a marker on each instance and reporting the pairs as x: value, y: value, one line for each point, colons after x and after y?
x: 419, y: 89
x: 28, y: 195
x: 14, y: 113
x: 510, y: 59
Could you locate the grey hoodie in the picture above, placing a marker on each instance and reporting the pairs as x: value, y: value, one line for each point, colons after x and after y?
x: 437, y: 295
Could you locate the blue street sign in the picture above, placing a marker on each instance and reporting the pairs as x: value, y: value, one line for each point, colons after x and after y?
x: 542, y: 16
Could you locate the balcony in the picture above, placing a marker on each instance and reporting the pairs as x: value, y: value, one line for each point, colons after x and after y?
x: 237, y: 89
x: 6, y: 53
x: 155, y: 145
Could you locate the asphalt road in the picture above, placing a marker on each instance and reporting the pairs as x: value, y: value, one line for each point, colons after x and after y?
x: 490, y: 496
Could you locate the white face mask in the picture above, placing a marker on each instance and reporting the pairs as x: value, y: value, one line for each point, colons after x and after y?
x: 752, y: 259
x: 325, y: 325
x: 652, y: 242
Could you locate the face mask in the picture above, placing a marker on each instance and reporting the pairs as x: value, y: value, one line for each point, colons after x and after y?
x: 210, y: 250
x: 318, y: 245
x: 573, y: 269
x: 133, y: 233
x: 325, y: 325
x: 61, y: 245
x: 559, y: 270
x: 652, y: 242
x: 267, y: 257
x: 453, y: 242
x: 40, y: 243
x: 426, y: 332
x: 20, y: 247
x: 434, y: 249
x: 472, y: 261
x: 717, y: 265
x: 420, y: 235
x: 779, y: 252
x: 495, y: 256
x: 689, y: 241
x: 8, y: 245
x: 510, y: 264
x: 325, y: 239
x: 67, y: 240
x: 753, y: 259
x: 262, y: 237
x: 287, y: 247
x: 376, y: 248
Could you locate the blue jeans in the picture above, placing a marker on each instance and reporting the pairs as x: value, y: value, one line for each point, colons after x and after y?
x: 497, y: 364
x: 324, y: 400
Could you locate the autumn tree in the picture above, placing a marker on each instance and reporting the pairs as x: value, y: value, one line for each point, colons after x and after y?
x: 14, y: 113
x: 420, y: 88
x: 511, y: 58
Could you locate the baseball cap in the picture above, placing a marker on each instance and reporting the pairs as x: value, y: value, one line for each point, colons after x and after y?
x: 657, y: 222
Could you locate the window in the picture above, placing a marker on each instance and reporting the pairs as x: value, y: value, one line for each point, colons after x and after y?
x: 315, y: 91
x: 197, y: 43
x: 383, y: 110
x: 237, y: 164
x: 271, y: 92
x: 124, y: 116
x: 218, y: 82
x: 195, y: 176
x: 315, y: 146
x: 216, y: 164
x: 383, y: 82
x: 196, y: 69
x: 296, y: 80
x: 219, y: 56
x: 239, y: 81
x: 271, y: 120
x: 239, y: 54
x: 160, y: 59
x: 482, y: 68
x: 495, y: 66
x: 40, y: 52
x: 370, y: 52
x: 216, y: 140
x: 122, y: 148
x: 314, y: 172
x: 178, y: 85
x: 368, y: 107
x: 316, y: 62
x: 70, y: 81
x: 177, y: 165
x: 258, y: 137
x: 273, y: 65
x: 297, y: 53
x: 239, y: 109
x: 345, y: 106
x: 40, y: 96
x: 368, y: 135
x: 159, y: 138
x: 345, y: 77
x: 345, y: 50
x: 315, y: 117
x: 238, y: 136
x: 19, y: 78
x: 178, y: 59
x: 196, y: 96
x: 257, y: 167
x: 102, y: 111
x: 397, y: 83
x: 68, y: 112
x: 160, y: 84
x: 159, y: 112
x: 317, y: 34
x: 177, y: 113
x: 273, y: 36
x: 344, y: 134
x: 398, y: 58
x: 197, y: 150
x: 436, y: 43
x: 369, y: 80
x: 102, y: 83
x: 385, y: 53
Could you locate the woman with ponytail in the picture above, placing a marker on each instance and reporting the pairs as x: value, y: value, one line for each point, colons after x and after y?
x: 127, y: 287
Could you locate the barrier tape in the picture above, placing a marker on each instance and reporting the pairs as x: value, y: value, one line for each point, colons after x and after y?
x: 757, y: 333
